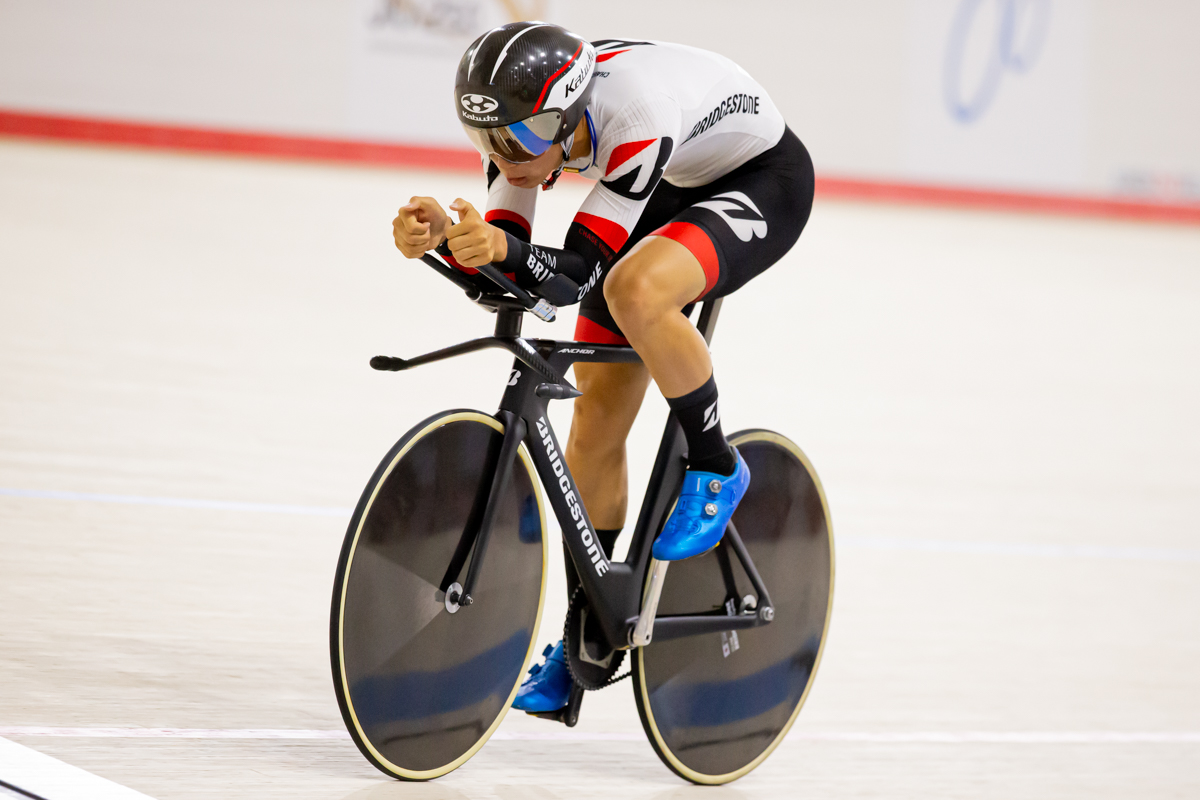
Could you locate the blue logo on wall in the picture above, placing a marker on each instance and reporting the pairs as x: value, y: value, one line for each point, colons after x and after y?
x: 1021, y: 27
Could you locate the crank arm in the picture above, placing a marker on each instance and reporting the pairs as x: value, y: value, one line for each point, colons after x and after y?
x: 643, y: 631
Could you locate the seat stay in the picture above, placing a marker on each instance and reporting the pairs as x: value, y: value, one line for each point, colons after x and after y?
x: 731, y: 587
x: 734, y: 539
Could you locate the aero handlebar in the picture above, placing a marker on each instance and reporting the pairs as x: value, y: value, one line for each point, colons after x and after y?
x: 541, y: 308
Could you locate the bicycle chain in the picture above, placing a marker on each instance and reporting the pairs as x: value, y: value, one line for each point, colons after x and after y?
x: 619, y: 654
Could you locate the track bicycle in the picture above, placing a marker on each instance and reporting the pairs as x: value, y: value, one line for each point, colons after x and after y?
x: 440, y: 585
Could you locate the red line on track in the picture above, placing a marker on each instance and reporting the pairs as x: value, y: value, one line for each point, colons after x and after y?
x: 918, y: 194
x: 212, y: 140
x: 206, y: 140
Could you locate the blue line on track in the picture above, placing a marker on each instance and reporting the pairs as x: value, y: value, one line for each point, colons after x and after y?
x: 853, y: 541
x: 179, y: 502
x: 1021, y: 549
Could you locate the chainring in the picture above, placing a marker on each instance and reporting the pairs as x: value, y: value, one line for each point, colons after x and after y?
x: 591, y: 662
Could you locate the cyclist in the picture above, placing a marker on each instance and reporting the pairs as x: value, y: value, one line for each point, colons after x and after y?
x: 701, y: 186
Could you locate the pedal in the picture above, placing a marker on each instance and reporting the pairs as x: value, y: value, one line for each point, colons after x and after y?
x: 643, y: 632
x: 568, y: 714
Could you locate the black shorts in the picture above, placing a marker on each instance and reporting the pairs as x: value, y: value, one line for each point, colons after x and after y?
x: 736, y: 226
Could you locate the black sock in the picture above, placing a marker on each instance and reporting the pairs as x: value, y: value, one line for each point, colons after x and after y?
x: 700, y: 417
x: 608, y: 539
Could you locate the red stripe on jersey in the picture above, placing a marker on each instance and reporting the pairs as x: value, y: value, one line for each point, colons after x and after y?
x: 609, y: 232
x: 696, y: 240
x: 600, y: 59
x: 511, y: 216
x: 594, y: 333
x: 623, y: 152
x: 538, y: 105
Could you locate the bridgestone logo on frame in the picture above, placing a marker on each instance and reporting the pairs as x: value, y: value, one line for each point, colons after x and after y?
x: 564, y: 485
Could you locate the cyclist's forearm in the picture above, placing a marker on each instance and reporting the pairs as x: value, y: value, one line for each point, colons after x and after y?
x: 534, y: 264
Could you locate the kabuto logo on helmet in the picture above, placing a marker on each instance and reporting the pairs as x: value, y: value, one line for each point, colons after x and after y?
x: 578, y: 74
x: 479, y: 103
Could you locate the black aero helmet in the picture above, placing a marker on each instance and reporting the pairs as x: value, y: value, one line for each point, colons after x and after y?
x: 522, y: 88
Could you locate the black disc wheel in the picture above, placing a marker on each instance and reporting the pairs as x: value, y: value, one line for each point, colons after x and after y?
x: 422, y: 682
x: 715, y: 705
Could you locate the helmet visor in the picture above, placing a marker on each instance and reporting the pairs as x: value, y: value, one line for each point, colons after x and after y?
x: 520, y: 141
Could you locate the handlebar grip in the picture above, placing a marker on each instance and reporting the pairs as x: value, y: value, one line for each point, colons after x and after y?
x: 388, y: 364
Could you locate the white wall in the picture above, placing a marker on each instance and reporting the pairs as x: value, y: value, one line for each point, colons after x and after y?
x: 1090, y: 96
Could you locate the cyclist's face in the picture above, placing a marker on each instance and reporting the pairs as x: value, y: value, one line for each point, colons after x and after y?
x: 530, y: 173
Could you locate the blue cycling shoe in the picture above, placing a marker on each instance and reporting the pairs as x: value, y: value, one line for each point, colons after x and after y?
x: 705, y: 507
x: 548, y: 687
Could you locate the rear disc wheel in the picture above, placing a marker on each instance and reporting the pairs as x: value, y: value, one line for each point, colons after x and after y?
x: 422, y: 684
x: 714, y: 706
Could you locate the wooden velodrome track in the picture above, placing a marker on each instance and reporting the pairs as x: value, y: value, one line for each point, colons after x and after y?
x: 1003, y: 409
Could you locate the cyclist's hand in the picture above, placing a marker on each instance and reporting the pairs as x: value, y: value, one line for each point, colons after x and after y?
x: 472, y: 241
x: 419, y: 226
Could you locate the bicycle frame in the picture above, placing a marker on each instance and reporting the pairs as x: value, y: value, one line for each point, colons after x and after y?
x: 614, y: 588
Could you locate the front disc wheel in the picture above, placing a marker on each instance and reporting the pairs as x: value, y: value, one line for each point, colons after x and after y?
x: 421, y: 682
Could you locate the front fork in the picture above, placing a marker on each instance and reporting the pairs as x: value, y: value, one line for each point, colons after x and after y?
x: 477, y: 539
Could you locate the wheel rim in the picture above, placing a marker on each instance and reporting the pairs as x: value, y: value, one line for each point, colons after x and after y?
x: 714, y: 717
x: 423, y: 688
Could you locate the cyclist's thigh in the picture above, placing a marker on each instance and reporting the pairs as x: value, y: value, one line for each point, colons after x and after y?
x: 745, y: 221
x: 612, y: 395
x: 595, y: 323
